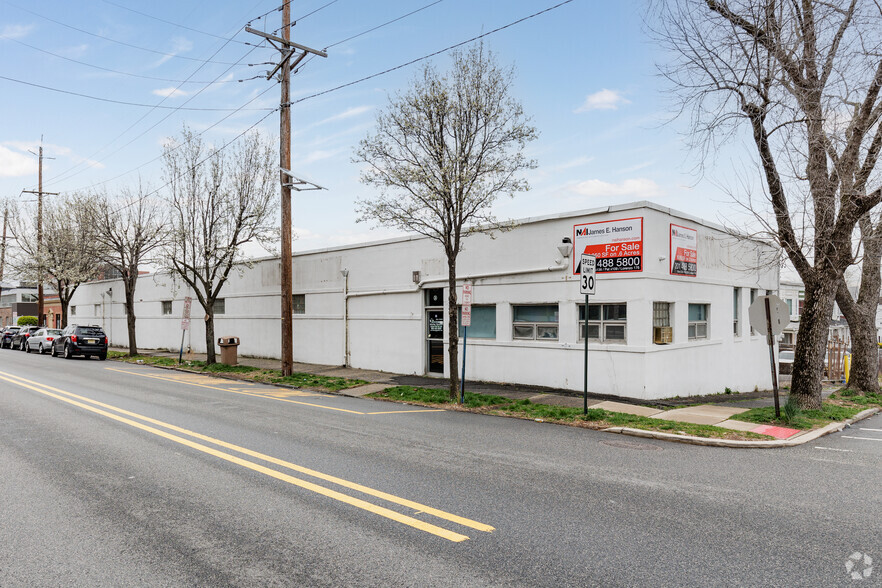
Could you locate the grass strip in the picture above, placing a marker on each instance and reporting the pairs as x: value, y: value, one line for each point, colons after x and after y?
x: 245, y: 372
x: 596, y: 418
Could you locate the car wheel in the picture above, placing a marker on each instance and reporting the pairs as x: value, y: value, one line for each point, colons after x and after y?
x: 27, y: 348
x: 42, y: 351
x: 67, y: 352
x: 23, y: 345
x: 52, y: 351
x: 102, y: 356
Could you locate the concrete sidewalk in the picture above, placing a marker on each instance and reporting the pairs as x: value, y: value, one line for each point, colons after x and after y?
x: 720, y: 411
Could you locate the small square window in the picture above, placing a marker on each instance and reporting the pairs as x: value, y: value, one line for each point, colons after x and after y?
x: 537, y: 321
x: 220, y: 306
x: 166, y: 307
x: 698, y: 321
x: 299, y: 303
x: 607, y: 323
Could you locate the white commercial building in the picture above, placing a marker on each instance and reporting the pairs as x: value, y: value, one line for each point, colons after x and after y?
x: 669, y: 317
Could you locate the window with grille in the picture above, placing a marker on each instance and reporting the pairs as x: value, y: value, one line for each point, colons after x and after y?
x: 606, y: 323
x: 538, y: 321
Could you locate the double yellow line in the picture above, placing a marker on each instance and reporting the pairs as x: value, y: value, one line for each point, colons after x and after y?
x: 124, y: 416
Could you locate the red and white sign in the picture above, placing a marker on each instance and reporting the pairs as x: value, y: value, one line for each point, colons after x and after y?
x: 466, y: 305
x: 185, y: 320
x: 684, y: 251
x: 617, y: 245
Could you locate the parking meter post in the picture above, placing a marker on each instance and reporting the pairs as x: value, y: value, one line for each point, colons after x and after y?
x: 771, y: 343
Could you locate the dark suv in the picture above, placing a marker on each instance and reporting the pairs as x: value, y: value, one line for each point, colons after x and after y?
x: 20, y: 338
x: 6, y: 336
x: 82, y: 340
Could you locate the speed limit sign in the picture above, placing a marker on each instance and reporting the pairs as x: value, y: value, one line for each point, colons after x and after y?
x: 587, y: 269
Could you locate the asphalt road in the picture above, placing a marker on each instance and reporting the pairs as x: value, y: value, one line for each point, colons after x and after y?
x: 116, y: 474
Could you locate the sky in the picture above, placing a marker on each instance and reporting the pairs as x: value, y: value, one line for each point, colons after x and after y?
x: 105, y: 83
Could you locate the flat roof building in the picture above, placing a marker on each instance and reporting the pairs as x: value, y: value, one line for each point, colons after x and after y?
x: 669, y: 317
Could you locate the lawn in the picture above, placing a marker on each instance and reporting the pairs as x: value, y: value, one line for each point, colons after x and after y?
x: 525, y: 409
x: 245, y: 372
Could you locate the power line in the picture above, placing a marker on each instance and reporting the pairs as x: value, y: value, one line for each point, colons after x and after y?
x: 383, y: 25
x: 193, y: 97
x: 174, y: 24
x: 114, y: 71
x: 123, y: 43
x: 296, y: 20
x: 99, y: 98
x: 146, y: 163
x: 424, y: 57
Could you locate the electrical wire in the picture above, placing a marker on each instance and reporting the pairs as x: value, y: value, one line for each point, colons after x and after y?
x: 424, y: 57
x: 110, y: 100
x: 296, y: 20
x: 114, y: 71
x: 382, y: 25
x: 123, y: 43
x: 174, y: 24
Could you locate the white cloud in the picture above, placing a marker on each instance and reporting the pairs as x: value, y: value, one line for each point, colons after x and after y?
x: 13, y: 164
x: 577, y: 162
x: 16, y: 31
x: 179, y: 45
x: 603, y: 100
x: 636, y: 187
x: 170, y: 92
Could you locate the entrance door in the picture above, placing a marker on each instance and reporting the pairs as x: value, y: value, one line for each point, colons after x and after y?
x: 435, y: 340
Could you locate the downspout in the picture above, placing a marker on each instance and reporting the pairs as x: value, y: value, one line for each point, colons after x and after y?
x: 345, y: 273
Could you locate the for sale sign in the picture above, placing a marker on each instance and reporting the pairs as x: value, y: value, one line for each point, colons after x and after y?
x: 684, y: 251
x: 617, y: 245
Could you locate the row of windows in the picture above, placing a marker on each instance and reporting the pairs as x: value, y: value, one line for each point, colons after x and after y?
x: 605, y: 323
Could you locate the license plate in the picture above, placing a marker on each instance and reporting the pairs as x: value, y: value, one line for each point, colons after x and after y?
x: 91, y: 341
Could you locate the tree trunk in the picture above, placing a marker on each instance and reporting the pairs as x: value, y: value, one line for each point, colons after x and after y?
x: 63, y: 311
x: 452, y: 328
x: 861, y: 314
x: 811, y: 342
x: 209, y: 335
x: 130, y: 316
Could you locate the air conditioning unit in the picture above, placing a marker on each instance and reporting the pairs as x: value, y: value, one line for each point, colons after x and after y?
x: 662, y: 335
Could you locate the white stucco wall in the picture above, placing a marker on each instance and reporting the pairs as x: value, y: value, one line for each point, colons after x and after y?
x: 381, y: 309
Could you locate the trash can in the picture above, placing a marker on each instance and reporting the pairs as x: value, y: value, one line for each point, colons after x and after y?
x: 229, y: 354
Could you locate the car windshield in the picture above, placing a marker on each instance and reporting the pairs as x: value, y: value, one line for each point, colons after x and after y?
x: 786, y: 355
x: 55, y: 332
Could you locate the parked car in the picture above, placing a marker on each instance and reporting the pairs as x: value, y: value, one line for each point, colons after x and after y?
x: 85, y: 340
x: 20, y: 338
x: 785, y: 362
x: 6, y: 336
x: 42, y: 339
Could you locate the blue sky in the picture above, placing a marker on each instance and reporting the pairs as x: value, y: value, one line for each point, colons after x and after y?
x: 585, y: 74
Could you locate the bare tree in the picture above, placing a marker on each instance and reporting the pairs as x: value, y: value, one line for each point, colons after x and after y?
x: 219, y: 201
x: 803, y: 78
x: 70, y: 250
x: 130, y: 228
x: 441, y: 154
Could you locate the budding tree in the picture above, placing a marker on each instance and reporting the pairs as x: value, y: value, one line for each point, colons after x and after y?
x: 69, y: 251
x: 441, y: 154
x: 131, y: 228
x: 802, y: 80
x: 219, y: 201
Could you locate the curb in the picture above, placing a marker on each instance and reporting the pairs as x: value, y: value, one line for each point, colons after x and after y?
x: 801, y: 439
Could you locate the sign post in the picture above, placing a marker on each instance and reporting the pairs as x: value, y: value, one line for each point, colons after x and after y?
x: 466, y: 323
x: 587, y: 285
x: 185, y: 325
x: 768, y: 316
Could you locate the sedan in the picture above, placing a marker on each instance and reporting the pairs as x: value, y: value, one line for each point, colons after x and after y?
x: 42, y: 340
x: 6, y: 336
x: 20, y: 339
x: 785, y: 362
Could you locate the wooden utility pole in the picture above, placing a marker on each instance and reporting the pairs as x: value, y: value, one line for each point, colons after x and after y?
x: 39, y: 193
x: 285, y: 163
x: 286, y: 64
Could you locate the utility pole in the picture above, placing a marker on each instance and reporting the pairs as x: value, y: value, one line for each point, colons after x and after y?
x: 39, y: 193
x: 287, y: 49
x: 3, y: 244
